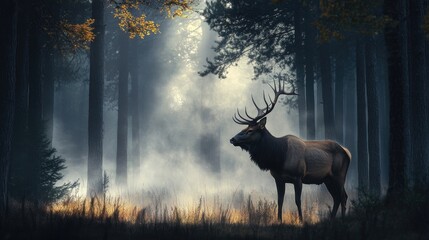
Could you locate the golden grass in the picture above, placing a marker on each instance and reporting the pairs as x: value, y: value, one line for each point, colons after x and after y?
x: 260, y: 212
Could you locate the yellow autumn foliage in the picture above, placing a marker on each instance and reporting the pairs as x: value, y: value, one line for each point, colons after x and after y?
x: 176, y: 8
x: 137, y: 24
x: 78, y: 36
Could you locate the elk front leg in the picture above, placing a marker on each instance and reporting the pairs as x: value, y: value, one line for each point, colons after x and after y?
x: 280, y: 197
x: 298, y: 190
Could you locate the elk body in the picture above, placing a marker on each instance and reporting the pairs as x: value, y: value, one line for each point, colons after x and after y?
x: 293, y: 160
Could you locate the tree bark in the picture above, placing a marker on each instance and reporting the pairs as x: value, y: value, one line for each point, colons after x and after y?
x: 339, y: 93
x: 361, y: 117
x: 373, y: 119
x: 20, y: 144
x: 396, y: 76
x: 35, y: 107
x: 7, y: 93
x: 95, y: 110
x: 309, y: 43
x: 327, y: 92
x: 22, y: 68
x: 403, y: 28
x: 350, y: 118
x: 299, y: 68
x: 418, y: 87
x: 122, y: 130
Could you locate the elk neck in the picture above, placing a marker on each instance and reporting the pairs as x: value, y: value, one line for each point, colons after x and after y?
x: 268, y: 153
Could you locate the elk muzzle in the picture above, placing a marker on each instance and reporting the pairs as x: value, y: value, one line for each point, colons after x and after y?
x: 233, y: 141
x: 241, y: 140
x: 238, y: 139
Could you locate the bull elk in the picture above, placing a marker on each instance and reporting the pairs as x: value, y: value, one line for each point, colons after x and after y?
x: 291, y: 159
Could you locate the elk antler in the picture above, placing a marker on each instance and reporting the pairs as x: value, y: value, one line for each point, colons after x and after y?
x: 262, y: 112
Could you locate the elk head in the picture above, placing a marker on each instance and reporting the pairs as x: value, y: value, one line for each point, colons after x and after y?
x: 256, y: 125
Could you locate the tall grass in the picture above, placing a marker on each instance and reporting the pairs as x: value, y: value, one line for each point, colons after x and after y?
x: 111, y: 217
x: 255, y: 212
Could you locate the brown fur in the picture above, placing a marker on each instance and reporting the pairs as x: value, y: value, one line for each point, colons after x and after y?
x: 293, y: 160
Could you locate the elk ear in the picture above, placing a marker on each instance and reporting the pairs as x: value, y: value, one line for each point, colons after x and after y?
x: 262, y: 123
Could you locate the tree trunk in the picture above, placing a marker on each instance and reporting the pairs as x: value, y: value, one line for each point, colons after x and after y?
x: 403, y: 28
x: 7, y: 93
x: 373, y: 119
x: 35, y: 107
x: 20, y: 144
x: 339, y: 93
x: 327, y: 92
x: 122, y: 130
x: 299, y: 67
x: 22, y: 68
x: 381, y: 75
x: 361, y: 117
x: 95, y: 109
x: 309, y: 43
x: 135, y: 108
x: 418, y: 86
x: 396, y: 76
x: 350, y: 118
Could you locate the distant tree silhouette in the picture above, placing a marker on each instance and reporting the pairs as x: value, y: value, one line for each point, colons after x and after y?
x: 8, y: 13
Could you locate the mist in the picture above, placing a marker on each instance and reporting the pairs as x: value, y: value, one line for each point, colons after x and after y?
x: 117, y: 119
x: 179, y: 110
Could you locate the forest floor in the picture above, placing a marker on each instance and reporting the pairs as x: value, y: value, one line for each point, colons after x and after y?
x: 368, y: 218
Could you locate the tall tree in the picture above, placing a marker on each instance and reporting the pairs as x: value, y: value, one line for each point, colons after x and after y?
x: 22, y: 63
x: 327, y: 91
x: 299, y: 67
x: 309, y: 43
x: 418, y: 92
x: 373, y: 118
x: 35, y: 107
x: 361, y: 116
x: 19, y: 154
x: 340, y: 60
x: 122, y: 130
x: 95, y: 112
x: 350, y: 110
x: 403, y: 28
x: 396, y: 78
x: 8, y: 13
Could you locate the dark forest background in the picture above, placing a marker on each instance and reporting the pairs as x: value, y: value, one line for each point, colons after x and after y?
x: 360, y: 69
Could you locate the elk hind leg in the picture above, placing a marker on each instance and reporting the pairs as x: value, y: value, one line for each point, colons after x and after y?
x: 298, y: 191
x: 280, y: 197
x: 343, y: 202
x: 335, y: 192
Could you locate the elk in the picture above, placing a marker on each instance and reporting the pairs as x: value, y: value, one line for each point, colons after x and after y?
x: 291, y: 159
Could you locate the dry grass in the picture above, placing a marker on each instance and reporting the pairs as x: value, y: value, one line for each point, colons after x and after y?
x: 251, y: 218
x: 261, y: 212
